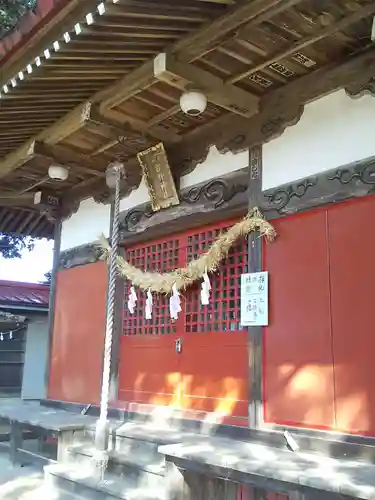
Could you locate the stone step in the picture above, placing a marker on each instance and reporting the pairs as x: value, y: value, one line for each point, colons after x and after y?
x: 135, y: 464
x: 148, y: 433
x: 84, y: 483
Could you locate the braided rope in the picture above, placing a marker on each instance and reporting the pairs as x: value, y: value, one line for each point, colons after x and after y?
x: 105, y: 392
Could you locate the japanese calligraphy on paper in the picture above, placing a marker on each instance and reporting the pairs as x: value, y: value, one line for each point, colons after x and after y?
x: 254, y: 299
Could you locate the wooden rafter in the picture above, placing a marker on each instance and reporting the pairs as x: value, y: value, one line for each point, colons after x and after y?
x: 65, y: 156
x: 180, y: 75
x: 114, y: 111
x: 123, y: 125
x: 69, y: 124
x: 257, y: 11
x: 187, y: 49
x: 365, y: 11
x: 192, y: 47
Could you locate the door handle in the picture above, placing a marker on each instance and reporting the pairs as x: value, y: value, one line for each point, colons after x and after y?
x: 179, y: 346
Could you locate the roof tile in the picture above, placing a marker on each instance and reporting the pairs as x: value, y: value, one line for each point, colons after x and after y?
x: 13, y: 293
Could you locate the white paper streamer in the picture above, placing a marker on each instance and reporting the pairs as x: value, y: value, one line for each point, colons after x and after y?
x: 10, y: 335
x: 205, y: 289
x: 1, y: 337
x: 175, y: 303
x: 132, y: 300
x: 149, y: 302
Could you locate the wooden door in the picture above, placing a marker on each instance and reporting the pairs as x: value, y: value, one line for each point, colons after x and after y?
x: 214, y: 361
x: 210, y: 374
x: 149, y: 366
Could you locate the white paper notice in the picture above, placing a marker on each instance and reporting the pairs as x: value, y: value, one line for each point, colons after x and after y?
x: 254, y: 299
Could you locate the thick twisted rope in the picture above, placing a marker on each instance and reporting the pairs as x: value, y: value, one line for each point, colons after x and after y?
x: 208, y: 261
x: 111, y: 297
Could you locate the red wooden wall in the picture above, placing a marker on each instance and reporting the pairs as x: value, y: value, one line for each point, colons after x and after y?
x: 318, y: 352
x: 78, y: 335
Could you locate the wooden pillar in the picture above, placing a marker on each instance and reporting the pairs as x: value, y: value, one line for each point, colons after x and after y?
x: 255, y: 265
x: 52, y: 300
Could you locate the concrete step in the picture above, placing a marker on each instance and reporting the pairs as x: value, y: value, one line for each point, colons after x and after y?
x: 84, y: 483
x: 135, y: 435
x: 134, y: 464
x: 140, y: 441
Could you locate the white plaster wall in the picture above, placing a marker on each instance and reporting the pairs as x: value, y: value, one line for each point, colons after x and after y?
x: 92, y: 219
x: 333, y: 131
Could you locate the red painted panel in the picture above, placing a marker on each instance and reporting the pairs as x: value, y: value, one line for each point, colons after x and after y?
x: 149, y: 371
x: 215, y: 373
x: 214, y: 361
x: 78, y: 335
x: 211, y: 372
x: 352, y: 252
x: 298, y: 364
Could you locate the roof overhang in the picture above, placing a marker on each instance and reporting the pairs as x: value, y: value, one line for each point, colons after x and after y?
x: 108, y: 87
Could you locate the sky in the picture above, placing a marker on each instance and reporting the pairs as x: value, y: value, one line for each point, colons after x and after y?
x: 31, y: 267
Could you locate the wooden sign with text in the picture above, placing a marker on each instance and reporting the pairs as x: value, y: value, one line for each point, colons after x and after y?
x: 158, y: 177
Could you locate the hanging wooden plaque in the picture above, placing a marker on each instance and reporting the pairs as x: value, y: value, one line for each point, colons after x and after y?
x: 158, y: 177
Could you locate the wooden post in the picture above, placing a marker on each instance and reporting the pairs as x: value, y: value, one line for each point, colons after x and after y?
x: 16, y: 439
x: 65, y: 440
x: 255, y: 265
x: 52, y: 301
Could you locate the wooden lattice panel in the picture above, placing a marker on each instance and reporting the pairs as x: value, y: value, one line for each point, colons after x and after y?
x: 223, y: 312
x: 161, y: 256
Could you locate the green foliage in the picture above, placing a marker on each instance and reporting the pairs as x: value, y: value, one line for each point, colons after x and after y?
x: 47, y: 278
x: 11, y: 11
x: 11, y: 247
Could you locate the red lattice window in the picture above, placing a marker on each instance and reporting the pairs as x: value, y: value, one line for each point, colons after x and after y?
x: 161, y: 256
x: 223, y: 312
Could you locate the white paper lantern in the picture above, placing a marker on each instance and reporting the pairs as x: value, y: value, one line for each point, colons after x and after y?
x: 58, y: 172
x: 193, y: 103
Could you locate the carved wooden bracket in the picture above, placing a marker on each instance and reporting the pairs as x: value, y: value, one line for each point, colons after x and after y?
x: 78, y: 256
x: 360, y: 89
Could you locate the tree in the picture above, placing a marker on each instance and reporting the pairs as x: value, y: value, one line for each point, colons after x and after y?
x: 47, y: 278
x: 11, y: 247
x: 11, y: 11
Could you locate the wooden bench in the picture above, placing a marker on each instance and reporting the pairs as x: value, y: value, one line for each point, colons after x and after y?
x: 271, y: 469
x: 67, y: 427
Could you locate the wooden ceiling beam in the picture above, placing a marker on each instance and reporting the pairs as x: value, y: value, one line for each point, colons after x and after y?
x: 187, y: 49
x: 191, y: 47
x: 69, y: 124
x: 116, y: 120
x: 206, y: 39
x: 164, y: 12
x: 167, y: 69
x: 299, y: 45
x: 17, y: 200
x: 65, y: 156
